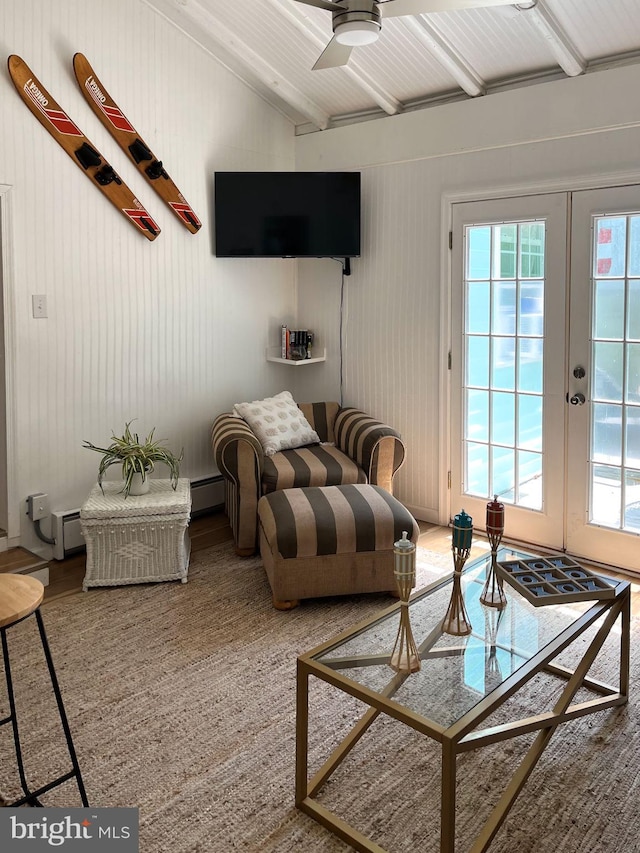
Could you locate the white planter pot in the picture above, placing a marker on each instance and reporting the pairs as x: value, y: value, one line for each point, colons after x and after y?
x: 138, y: 485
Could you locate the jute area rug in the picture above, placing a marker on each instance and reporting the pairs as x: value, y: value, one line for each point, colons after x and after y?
x: 181, y: 699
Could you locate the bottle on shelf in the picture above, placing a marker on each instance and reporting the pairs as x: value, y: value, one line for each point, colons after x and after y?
x: 298, y: 344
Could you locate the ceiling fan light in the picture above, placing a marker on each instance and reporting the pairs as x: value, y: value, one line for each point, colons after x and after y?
x: 357, y: 33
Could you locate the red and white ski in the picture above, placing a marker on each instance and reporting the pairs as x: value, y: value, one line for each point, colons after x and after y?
x: 85, y: 155
x: 131, y: 142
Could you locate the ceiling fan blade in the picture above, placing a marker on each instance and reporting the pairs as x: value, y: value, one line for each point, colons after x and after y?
x: 334, y: 55
x: 324, y: 4
x: 397, y: 8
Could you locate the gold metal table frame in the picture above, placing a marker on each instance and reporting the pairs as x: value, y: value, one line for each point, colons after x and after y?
x: 463, y: 735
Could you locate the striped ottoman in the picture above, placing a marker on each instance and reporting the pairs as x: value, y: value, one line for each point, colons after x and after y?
x: 330, y: 540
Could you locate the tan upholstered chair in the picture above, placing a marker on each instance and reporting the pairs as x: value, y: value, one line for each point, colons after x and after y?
x: 354, y: 448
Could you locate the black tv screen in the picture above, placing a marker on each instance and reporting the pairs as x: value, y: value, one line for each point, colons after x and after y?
x: 287, y: 214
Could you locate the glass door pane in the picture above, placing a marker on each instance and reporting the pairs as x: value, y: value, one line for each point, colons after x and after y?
x: 615, y: 379
x: 508, y: 332
x: 503, y: 352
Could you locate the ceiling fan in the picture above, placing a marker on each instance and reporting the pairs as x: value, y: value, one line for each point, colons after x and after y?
x: 358, y: 22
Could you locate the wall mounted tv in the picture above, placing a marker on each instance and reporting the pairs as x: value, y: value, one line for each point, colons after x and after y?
x: 287, y: 214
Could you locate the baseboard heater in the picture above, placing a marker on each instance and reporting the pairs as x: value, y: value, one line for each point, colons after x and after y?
x: 207, y: 495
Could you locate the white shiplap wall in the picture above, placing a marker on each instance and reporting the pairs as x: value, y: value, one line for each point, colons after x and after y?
x: 162, y: 332
x: 565, y: 134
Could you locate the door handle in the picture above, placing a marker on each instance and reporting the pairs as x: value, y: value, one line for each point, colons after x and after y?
x: 577, y: 399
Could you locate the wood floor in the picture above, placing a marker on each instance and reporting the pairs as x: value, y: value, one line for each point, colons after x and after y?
x: 65, y: 576
x: 19, y: 559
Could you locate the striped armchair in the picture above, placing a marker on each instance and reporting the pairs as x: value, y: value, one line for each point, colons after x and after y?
x: 355, y: 449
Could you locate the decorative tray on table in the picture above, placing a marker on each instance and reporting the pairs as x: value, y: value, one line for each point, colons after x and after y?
x: 554, y: 579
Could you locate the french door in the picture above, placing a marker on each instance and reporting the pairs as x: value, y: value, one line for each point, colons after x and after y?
x: 603, y: 445
x: 507, y: 402
x: 545, y: 378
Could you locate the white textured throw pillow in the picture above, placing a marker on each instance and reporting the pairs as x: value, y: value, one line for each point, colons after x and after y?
x: 278, y: 423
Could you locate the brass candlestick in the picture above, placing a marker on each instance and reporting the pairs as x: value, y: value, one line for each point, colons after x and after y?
x: 404, y: 657
x: 493, y: 592
x: 456, y: 620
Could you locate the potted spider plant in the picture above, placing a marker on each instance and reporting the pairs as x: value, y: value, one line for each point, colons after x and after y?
x: 137, y: 458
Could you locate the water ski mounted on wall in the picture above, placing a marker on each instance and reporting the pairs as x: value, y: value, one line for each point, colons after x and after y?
x: 131, y: 142
x: 83, y: 153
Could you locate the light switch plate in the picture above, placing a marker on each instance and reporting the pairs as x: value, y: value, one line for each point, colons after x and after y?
x: 39, y: 305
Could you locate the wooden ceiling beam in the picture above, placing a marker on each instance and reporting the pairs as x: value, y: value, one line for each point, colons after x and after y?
x: 296, y: 15
x: 556, y: 38
x: 245, y: 62
x: 428, y: 35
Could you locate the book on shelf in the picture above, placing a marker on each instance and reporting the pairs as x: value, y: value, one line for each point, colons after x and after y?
x: 295, y: 344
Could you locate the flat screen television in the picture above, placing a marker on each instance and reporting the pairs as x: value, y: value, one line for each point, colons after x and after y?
x: 287, y: 214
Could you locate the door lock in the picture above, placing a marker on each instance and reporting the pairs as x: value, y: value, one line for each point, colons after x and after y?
x: 579, y: 372
x: 577, y: 399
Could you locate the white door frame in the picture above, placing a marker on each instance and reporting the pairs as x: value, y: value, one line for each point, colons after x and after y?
x: 587, y: 182
x: 9, y: 499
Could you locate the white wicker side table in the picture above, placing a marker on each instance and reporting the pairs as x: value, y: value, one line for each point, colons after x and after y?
x: 139, y: 539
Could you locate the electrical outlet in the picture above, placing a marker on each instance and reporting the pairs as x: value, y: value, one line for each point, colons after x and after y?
x: 39, y: 305
x: 38, y: 506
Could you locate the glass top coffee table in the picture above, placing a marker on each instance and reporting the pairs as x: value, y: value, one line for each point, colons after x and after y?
x: 461, y: 682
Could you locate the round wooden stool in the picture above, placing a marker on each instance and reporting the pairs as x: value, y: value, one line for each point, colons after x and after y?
x: 20, y: 597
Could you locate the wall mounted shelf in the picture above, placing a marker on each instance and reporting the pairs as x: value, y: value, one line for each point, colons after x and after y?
x: 273, y: 354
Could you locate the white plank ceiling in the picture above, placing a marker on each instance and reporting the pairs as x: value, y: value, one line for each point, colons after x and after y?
x: 417, y: 61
